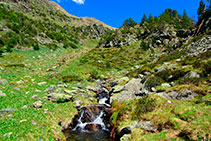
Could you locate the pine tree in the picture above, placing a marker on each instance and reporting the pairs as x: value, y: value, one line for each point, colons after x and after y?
x: 185, y: 20
x: 129, y: 22
x: 200, y: 10
x: 151, y: 19
x: 144, y: 19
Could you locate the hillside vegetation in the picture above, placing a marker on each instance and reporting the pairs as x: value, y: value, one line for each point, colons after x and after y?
x: 159, y: 71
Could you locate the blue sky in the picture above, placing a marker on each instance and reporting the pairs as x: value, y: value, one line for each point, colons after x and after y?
x: 114, y: 12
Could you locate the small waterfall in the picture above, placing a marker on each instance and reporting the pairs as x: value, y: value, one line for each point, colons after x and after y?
x: 103, y: 100
x: 92, y: 121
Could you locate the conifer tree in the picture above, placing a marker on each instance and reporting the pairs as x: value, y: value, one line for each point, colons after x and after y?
x: 201, y: 8
x: 151, y: 19
x: 185, y: 20
x: 144, y: 19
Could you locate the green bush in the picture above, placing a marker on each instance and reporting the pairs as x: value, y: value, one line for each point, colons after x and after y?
x: 36, y: 46
x: 143, y: 106
x: 71, y: 77
x: 206, y: 67
x: 144, y: 45
x: 175, y: 74
x: 93, y: 75
x: 154, y: 82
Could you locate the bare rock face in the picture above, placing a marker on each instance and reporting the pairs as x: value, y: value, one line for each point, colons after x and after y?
x: 200, y: 46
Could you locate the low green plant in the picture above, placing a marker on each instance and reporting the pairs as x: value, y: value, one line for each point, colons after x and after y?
x: 143, y: 105
x: 153, y: 82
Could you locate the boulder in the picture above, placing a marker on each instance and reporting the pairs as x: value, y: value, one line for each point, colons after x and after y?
x: 78, y: 103
x: 123, y: 79
x: 192, y: 74
x: 118, y: 89
x: 37, y: 104
x: 3, y: 81
x: 131, y: 89
x: 3, y: 111
x: 162, y: 68
x: 52, y: 89
x: 2, y: 94
x: 126, y: 130
x: 126, y: 137
x: 186, y: 94
x: 165, y: 85
x: 146, y: 125
x: 41, y: 83
x: 59, y: 97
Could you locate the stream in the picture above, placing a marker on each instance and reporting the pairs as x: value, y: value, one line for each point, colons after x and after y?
x: 92, y: 123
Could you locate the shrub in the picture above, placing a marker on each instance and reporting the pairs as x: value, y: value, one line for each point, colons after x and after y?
x: 153, y: 82
x: 36, y: 46
x: 143, y: 106
x: 206, y: 67
x: 144, y: 45
x: 175, y: 74
x: 93, y: 75
x: 71, y: 77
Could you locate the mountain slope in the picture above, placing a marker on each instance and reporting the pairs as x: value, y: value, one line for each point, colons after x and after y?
x: 82, y: 20
x: 34, y: 23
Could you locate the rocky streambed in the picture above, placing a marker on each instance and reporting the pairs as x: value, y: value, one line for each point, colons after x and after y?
x: 92, y: 122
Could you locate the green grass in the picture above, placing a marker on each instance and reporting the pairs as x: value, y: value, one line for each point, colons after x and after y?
x: 20, y: 122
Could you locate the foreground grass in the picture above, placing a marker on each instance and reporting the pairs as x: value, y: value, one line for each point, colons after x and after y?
x: 24, y: 70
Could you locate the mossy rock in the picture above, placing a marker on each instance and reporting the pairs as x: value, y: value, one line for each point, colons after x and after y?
x: 59, y: 98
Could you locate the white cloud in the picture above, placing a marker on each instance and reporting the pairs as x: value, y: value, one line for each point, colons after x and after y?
x: 79, y: 1
x: 76, y: 1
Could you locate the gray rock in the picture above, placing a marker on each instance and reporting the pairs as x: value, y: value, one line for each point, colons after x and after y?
x: 59, y: 97
x: 24, y: 107
x: 78, y: 103
x: 52, y: 89
x: 165, y: 85
x: 153, y: 89
x: 162, y: 68
x: 186, y: 94
x: 146, y: 125
x: 35, y: 97
x: 92, y: 88
x: 172, y: 95
x: 20, y: 82
x: 3, y: 81
x: 3, y: 111
x: 140, y: 76
x: 192, y: 74
x: 37, y: 104
x: 41, y: 83
x: 18, y: 89
x: 126, y: 130
x: 118, y: 88
x: 131, y: 89
x: 125, y: 138
x: 2, y: 94
x: 200, y: 46
x: 123, y: 79
x: 172, y: 66
x: 146, y: 73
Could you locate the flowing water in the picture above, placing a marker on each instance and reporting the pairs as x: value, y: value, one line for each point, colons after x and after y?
x: 92, y: 123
